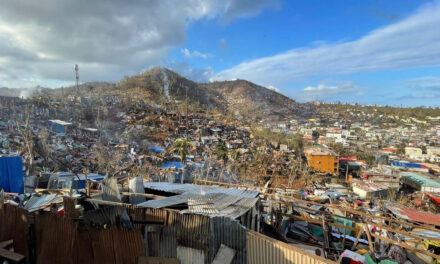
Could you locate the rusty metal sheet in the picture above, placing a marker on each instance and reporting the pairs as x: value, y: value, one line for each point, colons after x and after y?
x: 21, y: 232
x: 55, y: 238
x: 69, y: 207
x: 102, y: 244
x: 128, y: 246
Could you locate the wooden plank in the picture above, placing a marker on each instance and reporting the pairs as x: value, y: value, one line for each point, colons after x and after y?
x: 7, y: 243
x: 404, y: 245
x: 357, y: 240
x: 157, y: 260
x: 402, y: 232
x: 316, y: 221
x: 147, y: 195
x: 370, y: 242
x: 325, y: 234
x: 105, y: 202
x: 11, y: 255
x: 357, y: 212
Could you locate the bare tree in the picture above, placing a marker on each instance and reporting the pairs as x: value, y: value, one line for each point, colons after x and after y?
x: 28, y: 143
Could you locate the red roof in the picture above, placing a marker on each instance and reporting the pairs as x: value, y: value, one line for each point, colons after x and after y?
x: 350, y: 158
x: 414, y: 215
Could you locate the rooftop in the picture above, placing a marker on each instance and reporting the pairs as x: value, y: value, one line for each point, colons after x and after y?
x: 319, y: 151
x: 420, y: 179
x: 60, y: 122
x: 205, y: 200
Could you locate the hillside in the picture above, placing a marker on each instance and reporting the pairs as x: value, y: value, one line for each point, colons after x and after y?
x: 162, y: 86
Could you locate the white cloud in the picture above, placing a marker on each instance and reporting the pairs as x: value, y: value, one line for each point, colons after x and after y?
x: 189, y: 71
x: 426, y: 83
x: 412, y: 42
x: 329, y: 90
x: 273, y: 88
x: 40, y: 41
x: 419, y: 96
x: 195, y: 54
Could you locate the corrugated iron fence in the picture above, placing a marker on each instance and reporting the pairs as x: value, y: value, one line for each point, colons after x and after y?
x: 189, y: 237
x: 262, y: 249
x: 14, y: 224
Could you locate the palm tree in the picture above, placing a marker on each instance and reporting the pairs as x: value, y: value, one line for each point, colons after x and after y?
x: 181, y: 147
x: 221, y: 151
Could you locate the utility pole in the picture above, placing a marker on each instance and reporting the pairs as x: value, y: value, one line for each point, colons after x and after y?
x: 186, y: 112
x: 77, y: 79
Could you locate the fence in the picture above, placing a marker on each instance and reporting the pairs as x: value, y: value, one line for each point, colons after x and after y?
x: 50, y: 238
x: 262, y: 249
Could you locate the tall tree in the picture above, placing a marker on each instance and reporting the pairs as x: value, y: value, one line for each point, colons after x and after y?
x: 181, y: 147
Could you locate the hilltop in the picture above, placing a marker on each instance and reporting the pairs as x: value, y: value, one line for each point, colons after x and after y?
x: 163, y: 86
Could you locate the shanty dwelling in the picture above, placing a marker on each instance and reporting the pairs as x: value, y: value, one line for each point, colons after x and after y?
x: 370, y: 190
x: 201, y: 224
x: 420, y: 182
x: 59, y: 126
x: 228, y: 212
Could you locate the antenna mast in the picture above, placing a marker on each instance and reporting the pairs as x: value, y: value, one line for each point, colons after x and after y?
x: 77, y: 79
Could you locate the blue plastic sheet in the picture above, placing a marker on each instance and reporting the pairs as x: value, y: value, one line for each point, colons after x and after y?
x: 11, y: 174
x: 156, y: 149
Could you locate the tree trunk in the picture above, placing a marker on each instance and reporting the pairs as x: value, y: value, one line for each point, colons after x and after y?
x: 183, y: 174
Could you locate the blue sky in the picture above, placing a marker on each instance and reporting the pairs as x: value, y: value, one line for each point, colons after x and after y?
x: 371, y: 52
x: 307, y: 24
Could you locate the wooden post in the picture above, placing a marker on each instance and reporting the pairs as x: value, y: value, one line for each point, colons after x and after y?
x: 87, y: 183
x: 370, y: 242
x: 324, y: 231
x: 357, y: 239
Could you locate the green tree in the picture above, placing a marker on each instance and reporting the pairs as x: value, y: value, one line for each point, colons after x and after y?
x: 297, y: 143
x: 401, y: 148
x: 221, y: 151
x: 181, y: 147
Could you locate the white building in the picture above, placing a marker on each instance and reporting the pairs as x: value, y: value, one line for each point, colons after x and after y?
x: 411, y: 151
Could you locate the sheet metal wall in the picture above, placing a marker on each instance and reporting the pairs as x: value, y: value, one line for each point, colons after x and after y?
x: 230, y: 233
x: 186, y: 230
x: 262, y: 249
x: 60, y: 240
x: 14, y: 224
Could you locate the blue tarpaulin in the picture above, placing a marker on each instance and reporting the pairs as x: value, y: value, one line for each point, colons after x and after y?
x: 11, y: 174
x: 406, y: 164
x: 170, y: 164
x: 156, y: 149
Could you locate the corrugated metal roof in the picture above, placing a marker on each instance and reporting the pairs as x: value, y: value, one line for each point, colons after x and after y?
x: 420, y: 180
x: 199, y: 189
x: 110, y: 190
x: 167, y: 201
x: 413, y: 214
x: 36, y: 202
x: 212, y: 204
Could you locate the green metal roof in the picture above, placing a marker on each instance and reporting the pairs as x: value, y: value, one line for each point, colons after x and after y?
x: 420, y: 180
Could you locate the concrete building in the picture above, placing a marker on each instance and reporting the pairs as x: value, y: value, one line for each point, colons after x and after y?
x: 433, y: 151
x: 322, y: 160
x: 59, y: 126
x: 411, y: 151
x: 420, y: 182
